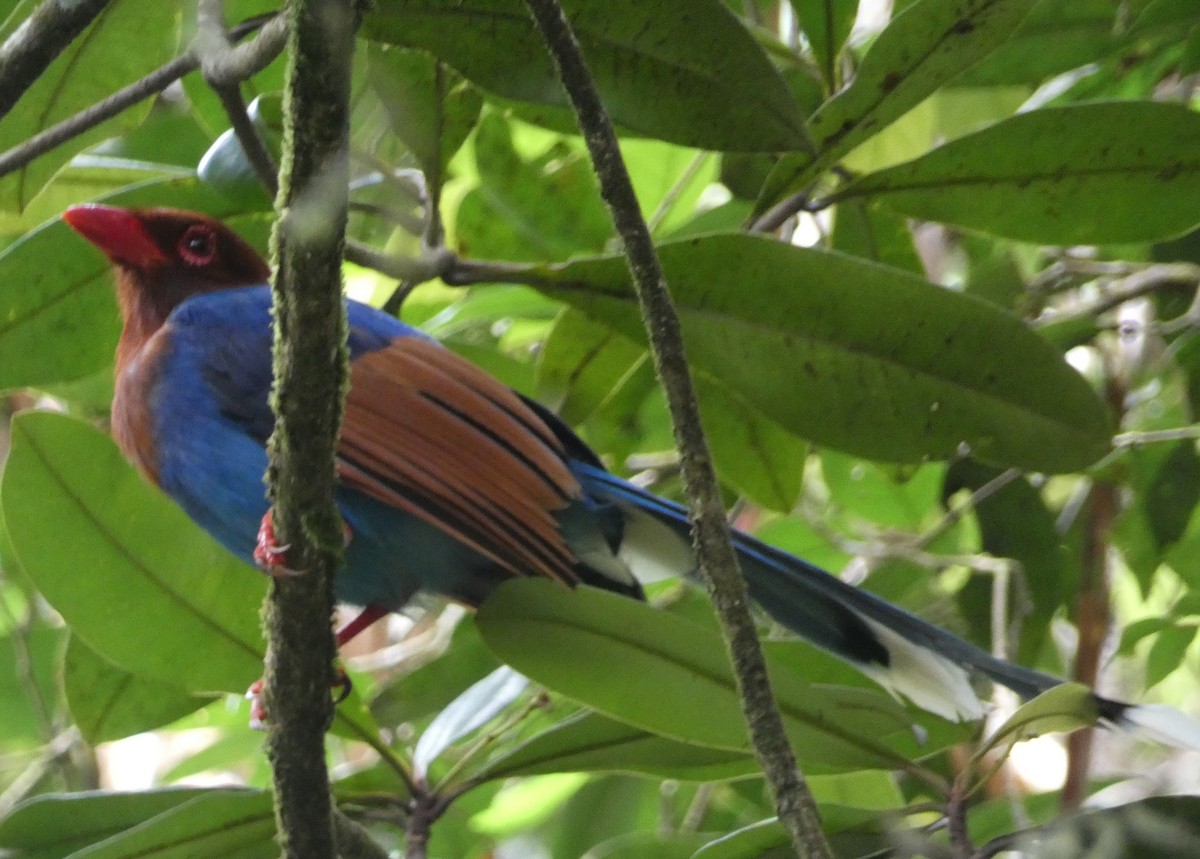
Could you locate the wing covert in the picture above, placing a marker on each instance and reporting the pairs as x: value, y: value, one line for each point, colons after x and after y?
x: 429, y: 433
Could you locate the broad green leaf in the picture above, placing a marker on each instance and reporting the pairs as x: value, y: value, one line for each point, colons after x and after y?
x: 751, y: 452
x: 430, y: 688
x: 685, y: 72
x: 589, y: 742
x: 108, y: 703
x: 1063, y: 708
x: 649, y: 669
x: 28, y: 670
x: 1168, y: 651
x: 645, y: 844
x: 927, y: 45
x: 857, y: 356
x: 57, y: 825
x: 874, y: 235
x: 467, y: 713
x: 1055, y: 38
x: 428, y: 105
x: 1161, y: 827
x: 504, y: 217
x: 1068, y: 175
x: 764, y: 839
x: 58, y: 317
x: 581, y: 363
x: 584, y: 363
x: 217, y: 824
x: 827, y: 24
x: 132, y: 576
x: 92, y: 67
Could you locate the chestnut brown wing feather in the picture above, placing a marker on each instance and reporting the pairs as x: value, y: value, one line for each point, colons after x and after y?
x: 430, y: 434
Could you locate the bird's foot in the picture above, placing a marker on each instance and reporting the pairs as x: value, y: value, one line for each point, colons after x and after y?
x: 271, y: 557
x: 258, y: 707
x: 259, y: 720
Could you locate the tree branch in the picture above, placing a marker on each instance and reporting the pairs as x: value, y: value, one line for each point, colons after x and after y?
x: 34, y: 45
x: 310, y: 374
x: 152, y: 84
x: 221, y: 63
x: 796, y: 807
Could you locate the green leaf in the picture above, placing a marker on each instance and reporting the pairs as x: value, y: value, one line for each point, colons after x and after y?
x: 582, y: 363
x: 1054, y: 38
x: 430, y: 688
x: 217, y: 824
x: 864, y: 358
x: 504, y: 217
x: 57, y: 825
x: 1067, y: 175
x: 649, y: 669
x: 225, y: 166
x: 751, y: 452
x: 685, y: 72
x: 93, y: 66
x: 589, y: 742
x: 428, y: 105
x: 827, y: 24
x: 1161, y: 827
x: 28, y: 670
x: 132, y: 576
x: 1063, y: 708
x: 467, y: 713
x: 108, y: 703
x: 1014, y: 523
x: 58, y: 317
x: 925, y: 46
x: 874, y: 235
x: 1168, y: 651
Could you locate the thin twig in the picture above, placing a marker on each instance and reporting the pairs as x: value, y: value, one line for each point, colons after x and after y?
x: 953, y: 516
x: 152, y: 84
x: 1137, y: 438
x: 794, y: 802
x: 353, y: 840
x: 219, y: 60
x: 40, y: 38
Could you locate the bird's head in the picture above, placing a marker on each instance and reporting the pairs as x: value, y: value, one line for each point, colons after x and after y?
x: 165, y: 256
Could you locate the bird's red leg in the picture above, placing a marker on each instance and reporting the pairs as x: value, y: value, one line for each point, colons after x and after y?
x: 271, y: 559
x: 365, y: 618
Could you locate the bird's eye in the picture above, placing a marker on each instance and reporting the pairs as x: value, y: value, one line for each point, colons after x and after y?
x: 198, y: 245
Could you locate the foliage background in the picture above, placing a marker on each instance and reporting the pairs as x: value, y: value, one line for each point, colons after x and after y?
x: 1035, y: 161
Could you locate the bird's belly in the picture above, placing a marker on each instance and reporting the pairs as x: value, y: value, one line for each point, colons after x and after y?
x: 216, y: 475
x: 392, y: 554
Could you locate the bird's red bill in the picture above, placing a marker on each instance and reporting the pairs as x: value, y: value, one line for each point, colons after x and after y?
x: 117, y: 232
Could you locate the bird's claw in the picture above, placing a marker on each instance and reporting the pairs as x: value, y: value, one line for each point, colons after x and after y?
x: 259, y: 720
x: 269, y: 555
x: 258, y: 708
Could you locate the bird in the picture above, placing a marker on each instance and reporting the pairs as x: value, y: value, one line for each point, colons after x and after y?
x: 451, y: 483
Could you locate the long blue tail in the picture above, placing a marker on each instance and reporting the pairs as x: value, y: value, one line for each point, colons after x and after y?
x: 934, y: 668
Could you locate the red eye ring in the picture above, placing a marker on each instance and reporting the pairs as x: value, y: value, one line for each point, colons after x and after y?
x: 198, y: 245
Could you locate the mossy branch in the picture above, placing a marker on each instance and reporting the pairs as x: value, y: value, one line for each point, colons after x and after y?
x: 714, y: 548
x: 310, y: 374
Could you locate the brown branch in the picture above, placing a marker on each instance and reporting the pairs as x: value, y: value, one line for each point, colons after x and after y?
x: 224, y: 68
x: 1092, y: 615
x: 310, y: 374
x: 41, y: 37
x: 794, y: 802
